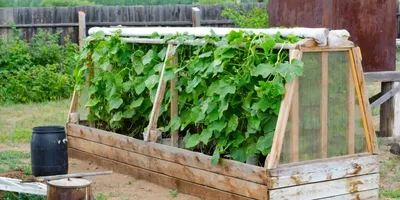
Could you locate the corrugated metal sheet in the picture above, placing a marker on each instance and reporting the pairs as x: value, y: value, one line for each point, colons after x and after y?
x: 371, y: 23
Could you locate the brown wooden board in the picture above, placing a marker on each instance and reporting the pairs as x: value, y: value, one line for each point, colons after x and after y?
x: 323, y: 170
x: 189, y: 158
x: 328, y: 188
x: 362, y: 18
x: 160, y: 179
x: 191, y: 174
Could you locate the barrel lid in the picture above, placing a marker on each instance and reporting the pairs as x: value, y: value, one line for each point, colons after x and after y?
x: 48, y: 129
x: 70, y: 183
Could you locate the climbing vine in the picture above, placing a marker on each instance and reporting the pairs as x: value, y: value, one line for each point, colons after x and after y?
x: 230, y: 88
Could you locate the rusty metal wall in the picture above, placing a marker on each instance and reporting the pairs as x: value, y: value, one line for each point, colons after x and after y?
x: 371, y: 23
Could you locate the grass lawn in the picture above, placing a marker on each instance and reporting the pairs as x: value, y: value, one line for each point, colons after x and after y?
x: 17, y: 121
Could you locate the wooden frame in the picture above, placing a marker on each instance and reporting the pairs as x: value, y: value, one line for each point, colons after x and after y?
x: 351, y: 176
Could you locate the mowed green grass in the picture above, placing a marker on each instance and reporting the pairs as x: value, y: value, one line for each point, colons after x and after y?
x: 17, y: 120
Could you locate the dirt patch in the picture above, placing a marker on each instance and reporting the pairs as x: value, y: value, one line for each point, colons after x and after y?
x: 119, y: 186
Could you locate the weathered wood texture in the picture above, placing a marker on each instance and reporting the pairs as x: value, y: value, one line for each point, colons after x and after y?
x: 71, y: 188
x: 339, y: 14
x: 187, y: 158
x: 364, y: 195
x: 158, y: 178
x: 328, y: 188
x: 323, y: 170
x: 65, y: 19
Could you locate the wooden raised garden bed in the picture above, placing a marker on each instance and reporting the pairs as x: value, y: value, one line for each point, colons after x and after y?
x: 299, y: 166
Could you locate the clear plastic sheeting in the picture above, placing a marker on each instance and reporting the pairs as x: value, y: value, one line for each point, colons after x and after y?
x: 325, y: 119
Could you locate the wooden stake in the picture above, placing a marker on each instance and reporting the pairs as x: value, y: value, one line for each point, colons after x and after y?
x: 196, y: 17
x: 324, y: 105
x: 355, y: 61
x: 272, y: 160
x: 294, y: 131
x: 351, y: 112
x: 174, y: 107
x: 82, y: 27
x: 150, y: 135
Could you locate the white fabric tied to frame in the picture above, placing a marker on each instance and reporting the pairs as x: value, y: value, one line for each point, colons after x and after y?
x: 320, y: 35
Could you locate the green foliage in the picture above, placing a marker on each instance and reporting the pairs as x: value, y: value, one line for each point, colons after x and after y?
x: 173, y: 193
x: 215, y: 1
x: 242, y: 18
x: 389, y: 193
x: 60, y: 3
x: 101, y: 196
x: 229, y: 89
x: 22, y: 196
x: 12, y: 159
x: 37, y: 70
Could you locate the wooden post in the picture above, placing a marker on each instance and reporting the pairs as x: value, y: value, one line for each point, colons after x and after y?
x: 73, y: 115
x: 294, y: 114
x: 324, y: 105
x: 196, y: 17
x: 396, y: 128
x: 151, y: 133
x: 370, y: 137
x: 174, y: 106
x: 82, y: 27
x: 272, y: 160
x: 387, y: 113
x: 351, y: 111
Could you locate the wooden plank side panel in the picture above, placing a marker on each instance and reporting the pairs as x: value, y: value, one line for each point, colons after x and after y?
x: 323, y: 170
x: 160, y: 179
x: 324, y: 105
x: 203, y: 177
x: 328, y: 188
x: 227, y: 167
x: 364, y: 195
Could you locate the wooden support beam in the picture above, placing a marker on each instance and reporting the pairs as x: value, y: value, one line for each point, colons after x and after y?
x: 351, y: 112
x: 196, y: 17
x: 294, y: 115
x: 324, y: 105
x: 150, y: 135
x: 387, y: 76
x: 174, y: 106
x: 272, y: 159
x: 396, y: 128
x: 82, y: 27
x: 370, y: 137
x: 387, y: 111
x: 382, y: 99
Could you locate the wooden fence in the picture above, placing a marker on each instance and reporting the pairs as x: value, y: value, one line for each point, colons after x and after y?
x: 65, y: 19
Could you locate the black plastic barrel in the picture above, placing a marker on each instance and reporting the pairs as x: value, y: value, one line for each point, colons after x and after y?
x: 49, y: 151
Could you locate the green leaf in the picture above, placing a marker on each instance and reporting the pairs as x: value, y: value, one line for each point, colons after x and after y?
x: 192, y: 84
x: 136, y: 103
x: 169, y: 74
x: 174, y: 124
x: 215, y: 157
x: 238, y: 154
x: 238, y: 139
x: 115, y: 103
x: 152, y: 81
x: 289, y: 71
x: 232, y: 124
x: 193, y: 141
x: 217, y: 125
x: 264, y: 70
x: 162, y: 53
x: 205, y: 135
x: 206, y: 55
x: 196, y: 114
x: 126, y: 86
x: 251, y: 150
x: 148, y: 57
x: 129, y: 113
x: 105, y: 65
x: 264, y: 143
x: 117, y: 117
x: 139, y: 85
x: 92, y: 102
x: 268, y: 44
